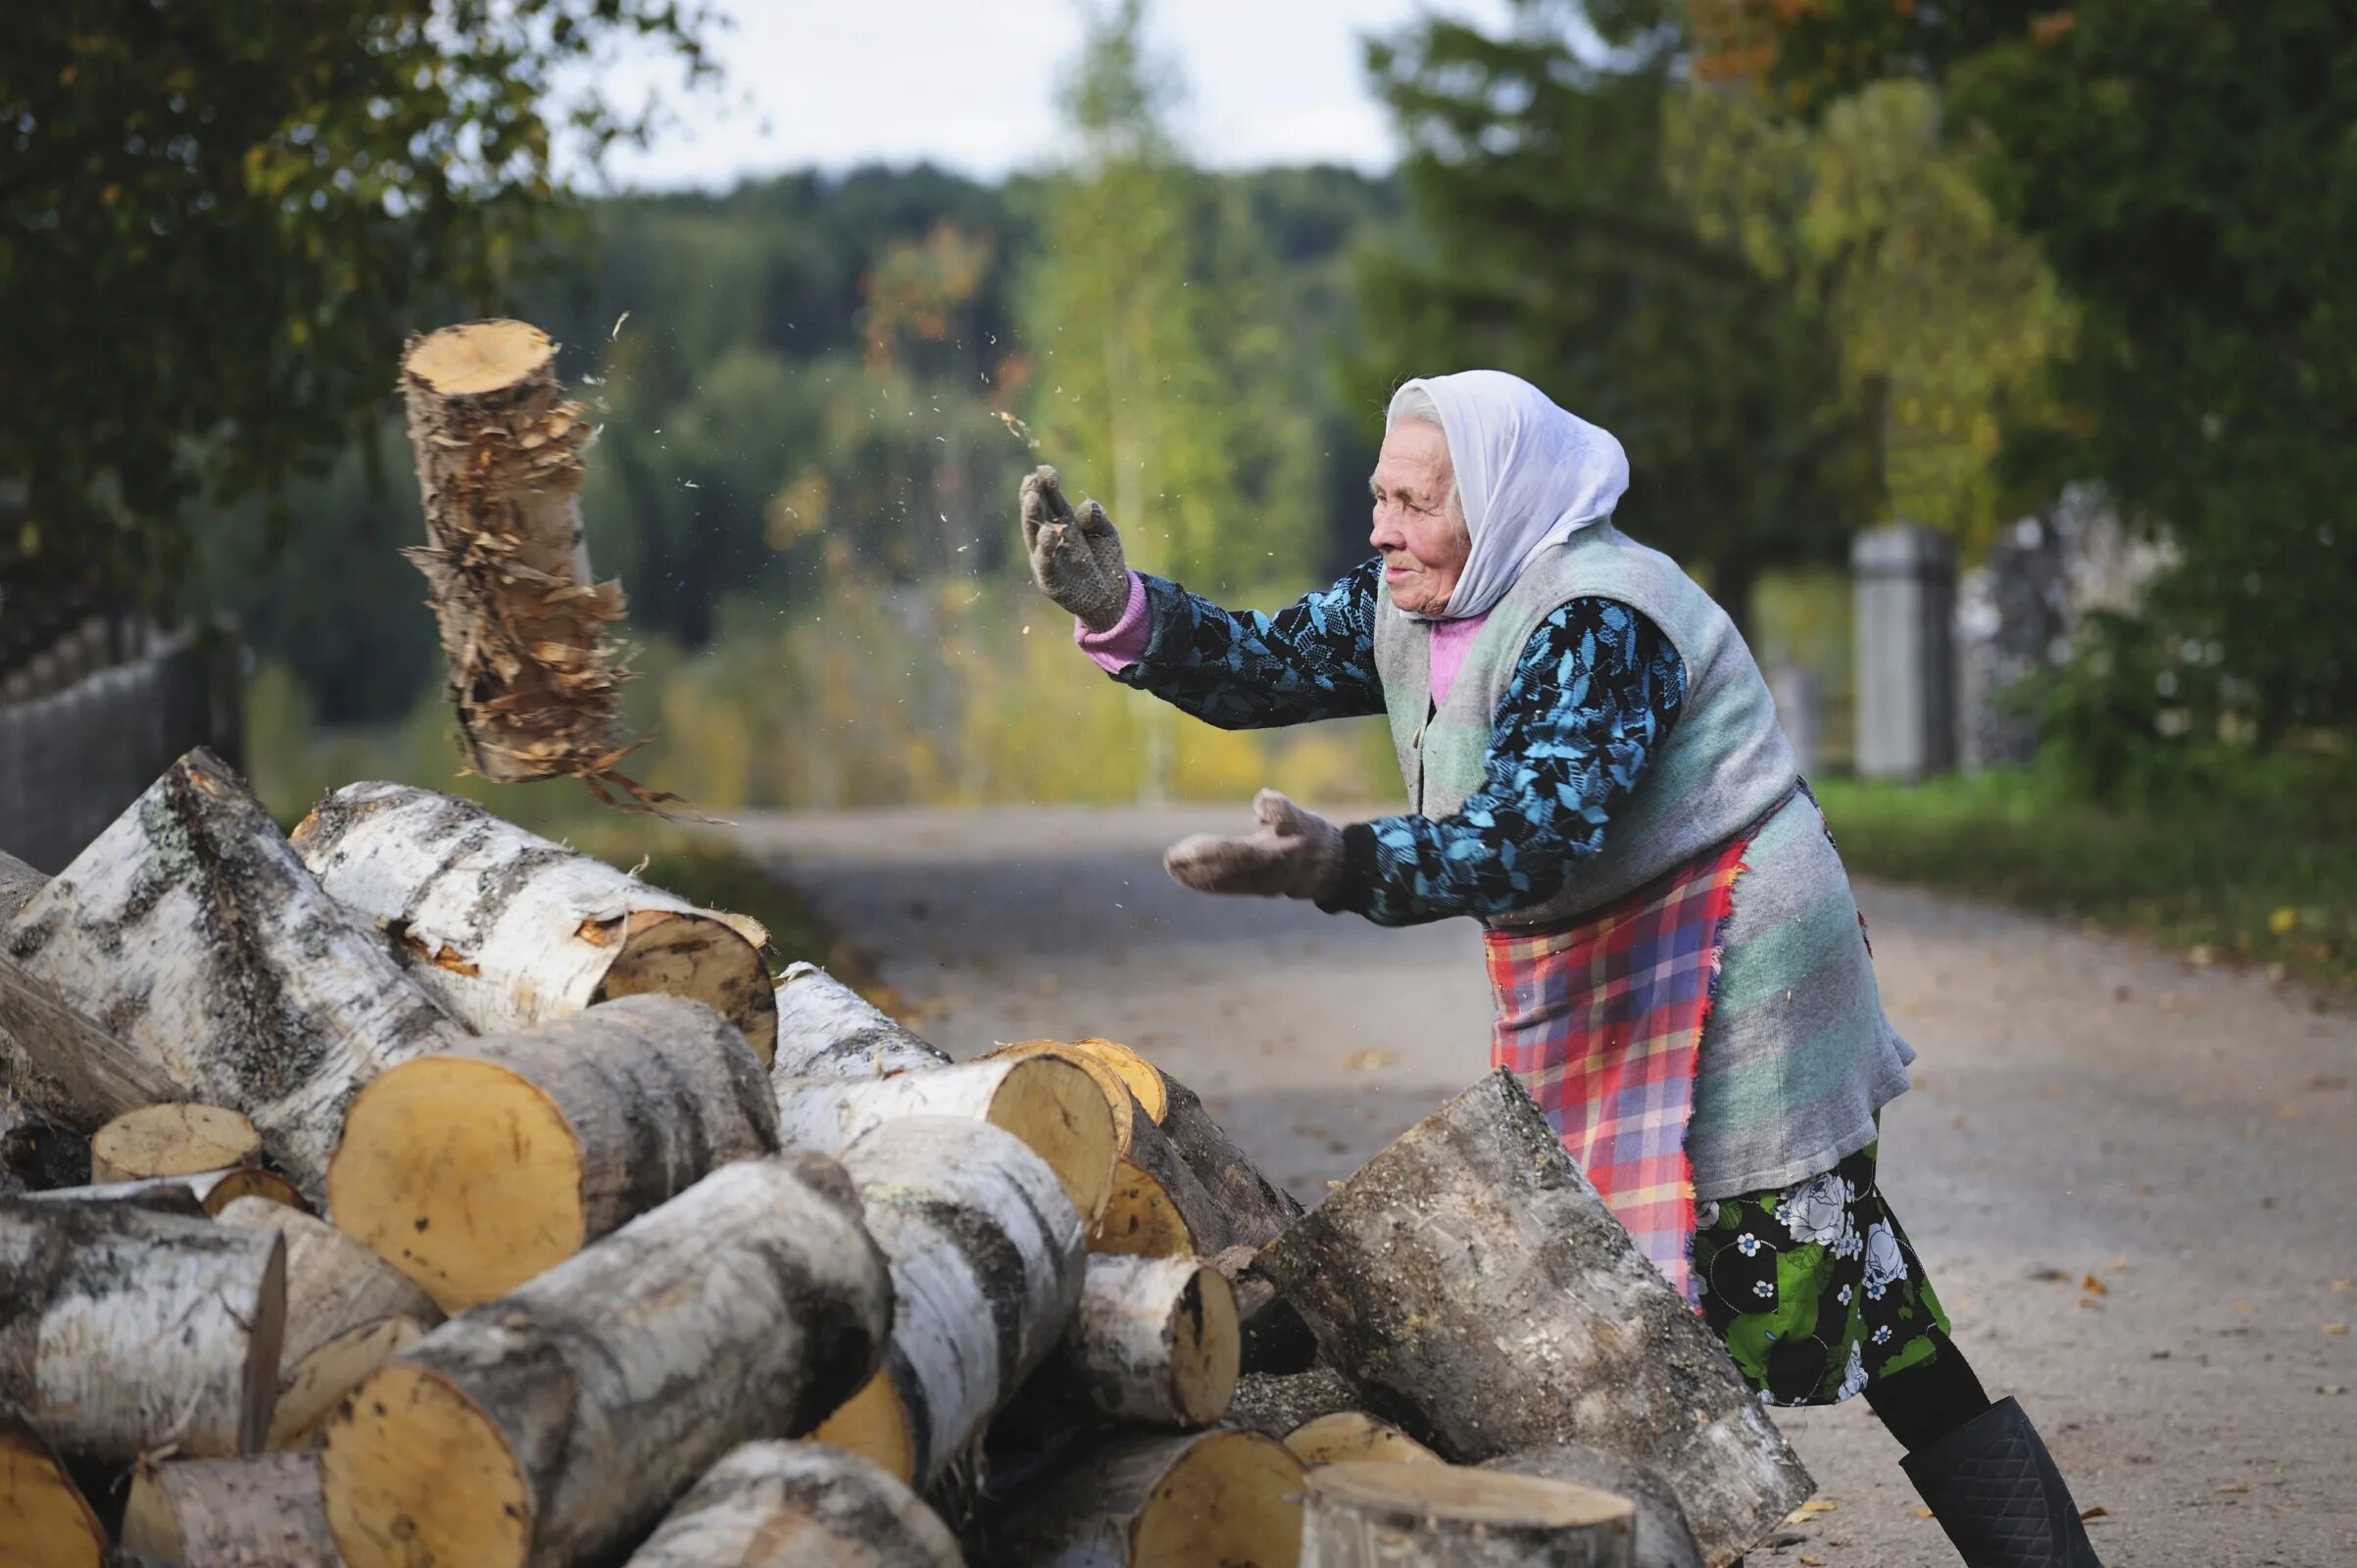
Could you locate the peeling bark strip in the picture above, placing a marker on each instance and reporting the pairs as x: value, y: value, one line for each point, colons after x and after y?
x: 1154, y: 1341
x: 262, y: 1513
x: 213, y: 968
x: 1137, y: 1502
x: 986, y: 1260
x: 1471, y: 1281
x: 124, y: 1329
x: 171, y: 1139
x: 1050, y: 1105
x: 554, y: 1425
x: 827, y: 1030
x: 1374, y: 1515
x: 524, y: 622
x: 45, y: 1521
x: 474, y: 1170
x: 347, y: 1310
x: 798, y: 1505
x: 509, y: 930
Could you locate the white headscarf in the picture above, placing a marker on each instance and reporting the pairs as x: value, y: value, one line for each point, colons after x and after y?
x: 1529, y: 474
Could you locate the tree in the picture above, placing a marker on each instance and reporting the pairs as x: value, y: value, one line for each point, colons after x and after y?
x: 219, y: 217
x: 1553, y: 244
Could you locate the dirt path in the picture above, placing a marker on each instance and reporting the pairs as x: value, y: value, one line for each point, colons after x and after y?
x: 2134, y: 1182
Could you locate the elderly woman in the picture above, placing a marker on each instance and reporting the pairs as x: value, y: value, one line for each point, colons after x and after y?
x: 1596, y: 774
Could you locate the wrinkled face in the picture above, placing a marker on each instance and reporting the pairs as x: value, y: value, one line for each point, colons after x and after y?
x: 1418, y: 526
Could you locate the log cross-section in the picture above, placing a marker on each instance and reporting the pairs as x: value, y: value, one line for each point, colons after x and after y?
x: 1161, y: 1500
x: 509, y: 930
x: 1368, y: 1514
x: 1155, y: 1342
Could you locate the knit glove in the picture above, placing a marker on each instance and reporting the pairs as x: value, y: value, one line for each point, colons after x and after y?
x: 1296, y: 854
x: 1076, y: 557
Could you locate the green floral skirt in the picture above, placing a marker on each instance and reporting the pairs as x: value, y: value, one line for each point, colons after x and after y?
x: 1815, y: 1289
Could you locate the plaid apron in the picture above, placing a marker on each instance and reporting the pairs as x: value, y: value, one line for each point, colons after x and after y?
x: 1602, y: 1020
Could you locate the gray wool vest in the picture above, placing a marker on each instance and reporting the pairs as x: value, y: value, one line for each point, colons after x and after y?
x: 1725, y: 765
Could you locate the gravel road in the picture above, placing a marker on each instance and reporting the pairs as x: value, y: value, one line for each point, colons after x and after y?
x: 2133, y: 1181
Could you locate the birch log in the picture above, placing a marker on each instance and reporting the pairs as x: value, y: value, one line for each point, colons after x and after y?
x: 827, y: 1030
x: 1257, y: 1210
x: 1157, y: 1209
x: 210, y: 1191
x: 524, y: 622
x: 1374, y: 1515
x: 511, y: 931
x: 347, y: 1311
x: 471, y: 1171
x: 1153, y: 1341
x: 45, y: 1521
x: 986, y: 1255
x: 36, y: 1150
x: 1117, y: 1098
x: 171, y: 1139
x: 1317, y: 1416
x: 1050, y: 1105
x: 1158, y: 1501
x: 1664, y: 1538
x: 215, y: 969
x: 1475, y: 1221
x: 558, y: 1424
x: 262, y: 1513
x: 130, y: 1328
x: 798, y: 1505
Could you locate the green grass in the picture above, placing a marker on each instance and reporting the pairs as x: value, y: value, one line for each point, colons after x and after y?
x: 2262, y: 877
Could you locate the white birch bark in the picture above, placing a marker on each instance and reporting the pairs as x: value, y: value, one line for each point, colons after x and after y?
x: 210, y: 964
x: 827, y: 1030
x: 474, y: 1170
x: 1369, y: 1514
x: 509, y: 931
x: 18, y: 882
x: 131, y: 1329
x: 556, y: 1425
x: 263, y: 1513
x: 986, y: 1255
x: 1154, y: 1341
x: 346, y: 1309
x: 798, y: 1505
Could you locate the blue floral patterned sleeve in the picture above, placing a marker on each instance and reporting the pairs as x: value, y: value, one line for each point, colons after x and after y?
x: 1243, y: 669
x: 1593, y: 694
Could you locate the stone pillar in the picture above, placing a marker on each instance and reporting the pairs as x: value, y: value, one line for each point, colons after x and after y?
x: 1905, y: 589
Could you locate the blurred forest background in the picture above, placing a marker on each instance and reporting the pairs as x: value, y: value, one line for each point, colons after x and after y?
x: 1820, y: 263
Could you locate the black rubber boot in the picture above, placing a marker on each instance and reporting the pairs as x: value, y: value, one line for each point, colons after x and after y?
x: 1994, y: 1487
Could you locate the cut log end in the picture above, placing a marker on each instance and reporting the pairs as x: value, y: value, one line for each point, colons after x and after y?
x: 1205, y: 1348
x: 416, y: 1471
x: 480, y: 357
x: 702, y: 957
x: 1117, y: 1098
x: 1235, y: 1499
x: 1061, y: 1115
x: 1367, y: 1514
x: 1346, y: 1437
x: 45, y: 1522
x: 310, y: 1388
x: 176, y: 1140
x: 874, y: 1424
x: 1140, y: 1221
x: 1143, y: 1078
x: 471, y: 1202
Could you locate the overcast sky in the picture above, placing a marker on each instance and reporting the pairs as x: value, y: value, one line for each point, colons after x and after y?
x: 973, y: 84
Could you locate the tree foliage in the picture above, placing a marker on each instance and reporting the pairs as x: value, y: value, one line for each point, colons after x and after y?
x: 219, y: 217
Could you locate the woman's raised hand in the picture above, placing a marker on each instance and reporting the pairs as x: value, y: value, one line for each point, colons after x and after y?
x: 1296, y: 854
x: 1075, y: 557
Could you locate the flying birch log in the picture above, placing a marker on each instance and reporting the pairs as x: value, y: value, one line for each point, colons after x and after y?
x: 475, y: 1169
x: 798, y: 1505
x: 171, y: 1139
x: 130, y: 1328
x: 524, y: 622
x: 1471, y: 1281
x: 559, y: 1423
x: 347, y: 1311
x: 986, y: 1255
x: 45, y: 1521
x: 511, y: 931
x: 216, y: 969
x: 263, y: 1513
x: 1160, y: 1500
x: 1367, y: 1514
x: 1153, y: 1341
x: 1051, y: 1106
x: 827, y: 1030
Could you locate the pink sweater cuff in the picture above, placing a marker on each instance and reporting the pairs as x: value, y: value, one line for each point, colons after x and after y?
x: 1124, y: 643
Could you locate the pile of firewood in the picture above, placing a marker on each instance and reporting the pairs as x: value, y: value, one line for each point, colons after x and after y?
x: 631, y: 1254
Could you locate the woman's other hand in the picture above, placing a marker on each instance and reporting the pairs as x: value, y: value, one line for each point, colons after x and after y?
x: 1296, y: 854
x: 1076, y: 557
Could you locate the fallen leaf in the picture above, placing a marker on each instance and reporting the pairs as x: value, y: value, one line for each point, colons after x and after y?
x: 1807, y: 1562
x: 2331, y: 1387
x: 2098, y: 1511
x: 1368, y: 1061
x: 2337, y: 1328
x: 2094, y: 1286
x: 2236, y: 1486
x: 1923, y: 1513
